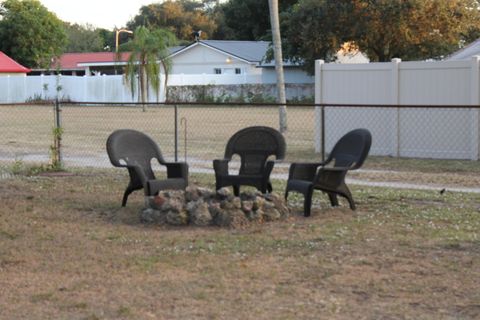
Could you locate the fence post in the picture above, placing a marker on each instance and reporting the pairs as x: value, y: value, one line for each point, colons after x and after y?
x: 176, y: 132
x: 395, y: 101
x: 104, y: 84
x: 475, y: 101
x: 319, y: 111
x: 84, y: 89
x: 57, y: 157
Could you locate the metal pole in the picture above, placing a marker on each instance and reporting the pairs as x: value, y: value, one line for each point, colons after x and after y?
x: 323, y: 132
x: 183, y: 121
x: 398, y: 132
x: 57, y: 136
x: 176, y: 133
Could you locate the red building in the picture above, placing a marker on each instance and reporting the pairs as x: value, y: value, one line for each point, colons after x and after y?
x: 8, y: 66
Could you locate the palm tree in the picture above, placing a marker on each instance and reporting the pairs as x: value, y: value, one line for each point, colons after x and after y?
x: 149, y: 51
x: 277, y: 54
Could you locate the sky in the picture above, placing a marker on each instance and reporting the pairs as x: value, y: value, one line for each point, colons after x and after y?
x: 106, y: 14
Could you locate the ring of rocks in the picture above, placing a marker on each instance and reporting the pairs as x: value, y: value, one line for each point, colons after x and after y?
x: 204, y: 207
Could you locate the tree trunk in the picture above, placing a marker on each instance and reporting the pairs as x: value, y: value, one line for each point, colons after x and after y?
x: 277, y: 53
x: 165, y: 85
x: 143, y: 86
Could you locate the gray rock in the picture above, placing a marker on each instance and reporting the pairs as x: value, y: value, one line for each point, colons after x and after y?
x: 149, y: 215
x: 191, y: 194
x: 222, y: 218
x: 248, y: 195
x: 177, y: 218
x: 238, y: 219
x: 149, y: 202
x: 200, y: 216
x: 258, y: 203
x: 173, y: 204
x: 271, y: 214
x: 206, y: 193
x: 224, y: 193
x: 255, y: 215
x: 237, y: 203
x: 247, y: 206
x: 280, y: 204
x: 227, y: 205
x: 268, y: 205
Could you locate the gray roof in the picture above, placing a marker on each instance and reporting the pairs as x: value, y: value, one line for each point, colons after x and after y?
x: 253, y: 51
x: 473, y: 49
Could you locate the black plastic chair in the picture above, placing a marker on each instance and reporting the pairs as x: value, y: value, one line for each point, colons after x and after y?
x: 135, y: 150
x: 254, y: 145
x: 349, y: 153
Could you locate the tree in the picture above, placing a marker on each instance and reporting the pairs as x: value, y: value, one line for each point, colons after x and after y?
x: 383, y: 29
x: 84, y: 38
x: 108, y: 37
x: 413, y: 29
x: 277, y: 52
x: 315, y: 30
x: 248, y: 19
x: 29, y: 33
x: 180, y: 17
x: 149, y: 50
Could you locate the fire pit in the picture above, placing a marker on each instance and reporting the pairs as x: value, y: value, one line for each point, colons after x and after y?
x: 203, y: 207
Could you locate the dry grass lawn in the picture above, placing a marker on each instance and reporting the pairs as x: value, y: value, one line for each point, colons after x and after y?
x: 68, y: 251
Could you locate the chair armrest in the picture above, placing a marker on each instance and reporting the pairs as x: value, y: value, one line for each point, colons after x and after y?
x: 139, y: 173
x: 331, y: 177
x: 303, y: 171
x: 269, y: 167
x: 220, y: 166
x: 177, y: 169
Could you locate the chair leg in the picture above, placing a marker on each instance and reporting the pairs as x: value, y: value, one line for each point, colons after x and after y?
x: 218, y: 185
x: 347, y: 194
x: 126, y: 194
x: 236, y: 190
x: 269, y: 187
x: 307, y: 204
x: 333, y: 199
x: 352, y: 204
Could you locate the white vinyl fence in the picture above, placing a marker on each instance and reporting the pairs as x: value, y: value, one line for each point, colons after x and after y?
x: 111, y: 88
x: 446, y: 133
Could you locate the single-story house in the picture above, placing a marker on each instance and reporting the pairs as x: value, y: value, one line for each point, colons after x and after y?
x: 466, y: 53
x: 210, y: 57
x: 203, y: 57
x: 10, y: 67
x: 233, y: 57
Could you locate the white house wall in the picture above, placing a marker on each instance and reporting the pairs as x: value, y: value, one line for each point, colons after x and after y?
x: 291, y: 75
x: 203, y: 60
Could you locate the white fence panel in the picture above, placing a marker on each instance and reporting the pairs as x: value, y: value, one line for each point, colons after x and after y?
x: 104, y: 88
x: 435, y: 133
x: 427, y: 133
x: 4, y: 89
x: 362, y: 84
x: 34, y: 88
x: 435, y: 83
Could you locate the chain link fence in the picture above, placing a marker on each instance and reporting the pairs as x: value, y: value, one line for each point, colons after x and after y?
x: 197, y: 133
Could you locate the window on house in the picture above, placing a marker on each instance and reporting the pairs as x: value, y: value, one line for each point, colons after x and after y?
x: 238, y: 71
x: 217, y: 71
